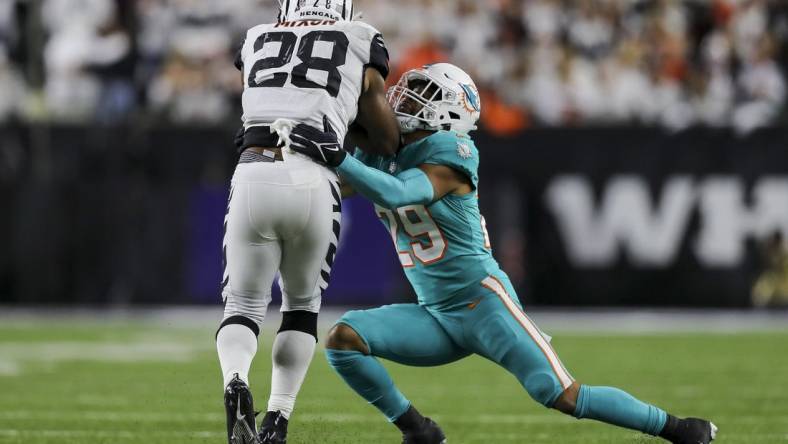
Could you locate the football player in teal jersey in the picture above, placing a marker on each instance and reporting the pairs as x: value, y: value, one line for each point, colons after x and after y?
x: 426, y: 196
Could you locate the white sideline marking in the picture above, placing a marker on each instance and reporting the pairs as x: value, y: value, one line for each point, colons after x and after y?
x: 9, y: 368
x: 14, y: 355
x: 117, y: 434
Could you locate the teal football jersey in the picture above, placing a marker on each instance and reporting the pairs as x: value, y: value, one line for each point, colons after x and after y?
x: 443, y: 247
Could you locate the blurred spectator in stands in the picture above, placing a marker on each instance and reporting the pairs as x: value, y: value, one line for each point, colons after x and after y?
x: 473, y: 33
x: 196, y: 89
x: 12, y: 89
x: 88, y: 61
x: 670, y: 63
x: 188, y: 51
x: 8, y: 31
x: 714, y: 91
x: 591, y: 28
x: 771, y: 288
x: 428, y: 51
x: 762, y: 89
x: 627, y: 87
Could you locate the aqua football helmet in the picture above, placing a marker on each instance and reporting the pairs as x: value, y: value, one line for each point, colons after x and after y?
x: 436, y: 97
x: 292, y: 10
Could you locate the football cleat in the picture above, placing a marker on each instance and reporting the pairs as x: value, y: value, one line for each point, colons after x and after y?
x: 695, y: 431
x: 273, y: 429
x: 239, y: 406
x: 428, y: 433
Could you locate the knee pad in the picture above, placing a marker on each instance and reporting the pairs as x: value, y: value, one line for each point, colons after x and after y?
x: 239, y: 320
x: 543, y: 388
x: 299, y: 320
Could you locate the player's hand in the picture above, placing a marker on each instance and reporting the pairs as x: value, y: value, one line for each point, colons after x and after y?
x: 322, y: 146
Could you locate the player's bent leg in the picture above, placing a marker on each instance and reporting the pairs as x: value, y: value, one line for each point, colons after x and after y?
x: 361, y: 336
x: 342, y: 337
x: 617, y: 407
x: 498, y: 329
x: 507, y: 335
x: 250, y: 264
x: 309, y: 243
x: 292, y: 353
x: 236, y: 344
x: 614, y: 406
x: 251, y: 261
x: 239, y: 407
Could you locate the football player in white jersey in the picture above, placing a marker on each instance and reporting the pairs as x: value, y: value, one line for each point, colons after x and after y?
x: 314, y: 67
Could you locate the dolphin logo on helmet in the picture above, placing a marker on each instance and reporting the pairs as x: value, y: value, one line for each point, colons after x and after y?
x: 440, y: 96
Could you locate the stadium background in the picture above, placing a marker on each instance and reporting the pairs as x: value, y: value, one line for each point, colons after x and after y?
x: 633, y: 152
x: 634, y: 180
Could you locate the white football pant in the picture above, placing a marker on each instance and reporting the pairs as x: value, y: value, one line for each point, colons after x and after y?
x: 282, y: 216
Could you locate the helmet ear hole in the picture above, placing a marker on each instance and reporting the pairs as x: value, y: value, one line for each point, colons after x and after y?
x: 453, y: 115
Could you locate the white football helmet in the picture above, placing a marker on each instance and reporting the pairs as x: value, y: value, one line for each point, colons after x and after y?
x: 436, y: 97
x: 292, y: 10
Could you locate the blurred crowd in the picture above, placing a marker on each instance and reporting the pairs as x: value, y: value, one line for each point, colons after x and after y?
x: 670, y: 63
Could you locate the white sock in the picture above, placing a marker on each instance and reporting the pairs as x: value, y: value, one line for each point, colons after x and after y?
x: 292, y: 353
x: 237, y: 345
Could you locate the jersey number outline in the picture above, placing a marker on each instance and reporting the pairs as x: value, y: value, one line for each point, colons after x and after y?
x: 287, y: 46
x: 417, y: 223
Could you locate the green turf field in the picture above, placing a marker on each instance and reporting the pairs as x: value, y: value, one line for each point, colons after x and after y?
x: 87, y: 382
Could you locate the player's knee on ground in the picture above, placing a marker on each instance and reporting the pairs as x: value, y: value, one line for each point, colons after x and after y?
x: 343, y: 337
x: 299, y: 320
x: 543, y: 387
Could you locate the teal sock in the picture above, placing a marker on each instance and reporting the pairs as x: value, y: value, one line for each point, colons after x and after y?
x: 367, y: 376
x: 614, y: 406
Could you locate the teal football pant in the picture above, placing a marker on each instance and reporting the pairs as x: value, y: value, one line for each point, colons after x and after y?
x: 491, y: 324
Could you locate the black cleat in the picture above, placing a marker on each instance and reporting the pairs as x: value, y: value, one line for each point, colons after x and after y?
x: 239, y: 406
x: 417, y: 429
x: 691, y: 431
x: 273, y: 429
x: 428, y: 433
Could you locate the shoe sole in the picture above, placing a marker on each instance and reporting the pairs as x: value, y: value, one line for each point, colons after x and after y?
x: 713, y: 431
x: 242, y: 433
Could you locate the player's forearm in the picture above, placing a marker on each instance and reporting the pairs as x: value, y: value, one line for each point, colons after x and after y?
x: 358, y: 137
x: 409, y: 187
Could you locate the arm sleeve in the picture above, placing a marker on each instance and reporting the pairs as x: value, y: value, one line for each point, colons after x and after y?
x: 408, y: 187
x: 379, y: 55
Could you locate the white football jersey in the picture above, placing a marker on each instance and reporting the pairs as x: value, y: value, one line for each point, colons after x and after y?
x: 307, y: 69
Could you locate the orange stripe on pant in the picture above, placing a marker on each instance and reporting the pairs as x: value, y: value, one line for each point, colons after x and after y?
x: 537, y: 328
x: 494, y: 285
